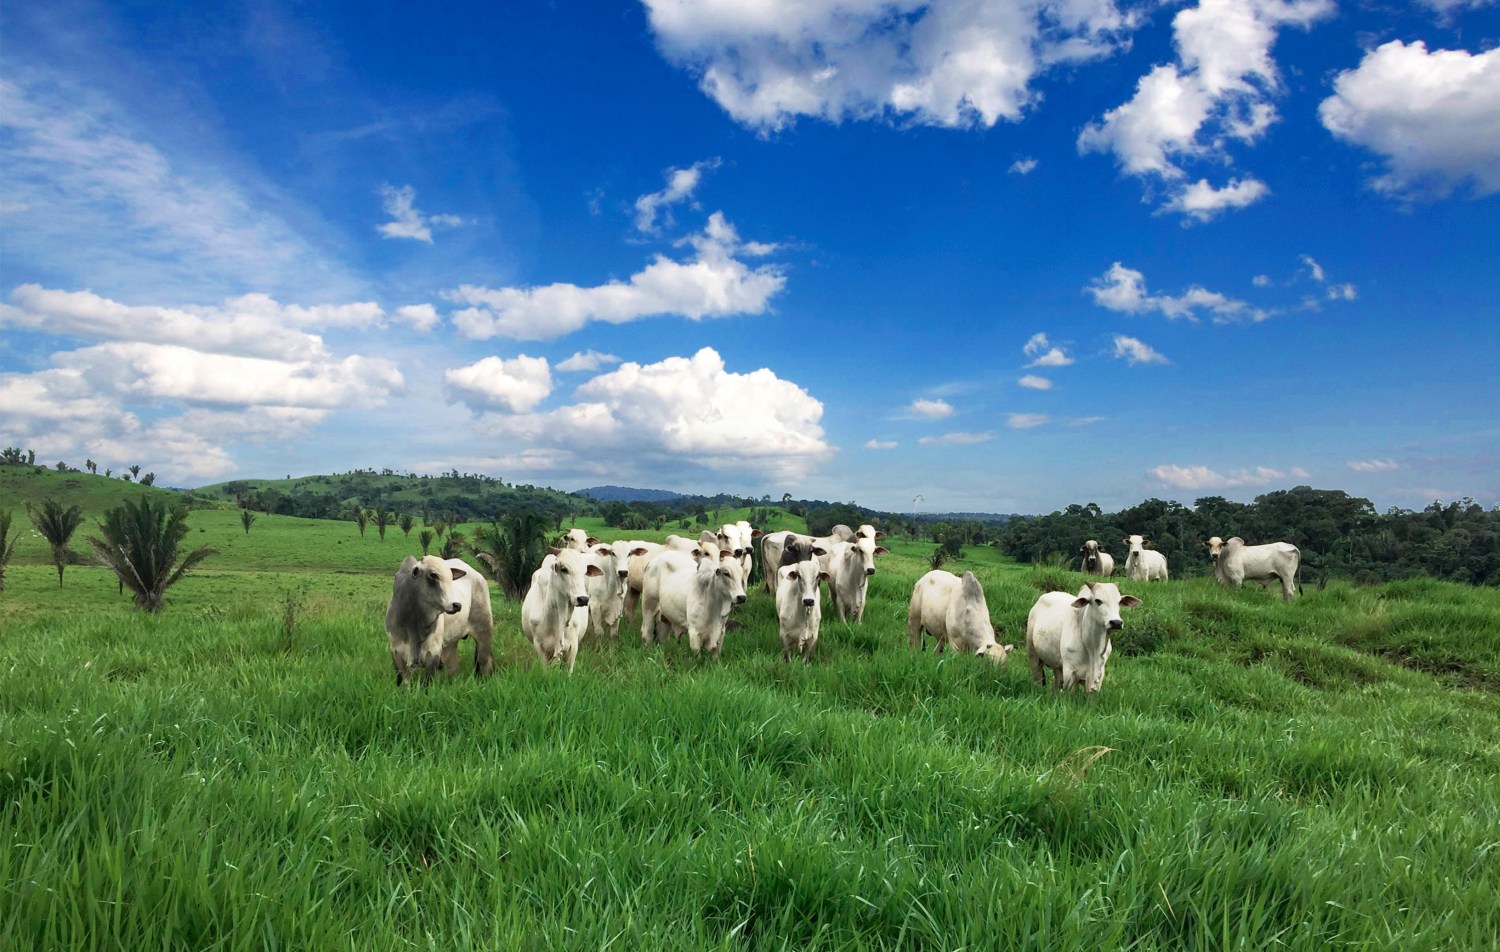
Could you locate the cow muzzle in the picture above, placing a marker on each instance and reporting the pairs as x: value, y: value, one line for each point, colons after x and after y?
x: 739, y: 599
x: 869, y: 571
x: 455, y: 608
x: 1116, y: 624
x: 581, y: 601
x: 807, y: 603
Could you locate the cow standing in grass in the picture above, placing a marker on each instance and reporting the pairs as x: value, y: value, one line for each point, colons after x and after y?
x: 435, y: 604
x: 953, y: 610
x: 1234, y: 562
x: 1070, y: 635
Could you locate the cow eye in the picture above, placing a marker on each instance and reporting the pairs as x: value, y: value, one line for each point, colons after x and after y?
x: 562, y: 570
x: 1098, y: 601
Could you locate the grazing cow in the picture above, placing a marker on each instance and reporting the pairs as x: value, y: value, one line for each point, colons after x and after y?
x: 681, y: 595
x: 953, y: 610
x: 435, y: 604
x: 555, y: 611
x: 1096, y: 561
x: 1234, y: 562
x: 851, y: 564
x: 577, y: 540
x: 641, y: 554
x: 1143, y: 564
x: 799, y: 607
x: 1071, y: 634
x: 607, y: 589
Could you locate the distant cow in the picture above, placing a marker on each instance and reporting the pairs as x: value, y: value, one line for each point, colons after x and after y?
x: 578, y: 540
x: 953, y: 610
x: 684, y: 595
x: 1096, y: 561
x: 1143, y: 564
x: 1070, y: 635
x: 1234, y: 562
x: 799, y: 607
x: 851, y: 564
x: 435, y: 604
x: 555, y: 611
x: 607, y: 590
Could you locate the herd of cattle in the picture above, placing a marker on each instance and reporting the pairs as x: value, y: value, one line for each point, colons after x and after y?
x: 690, y: 586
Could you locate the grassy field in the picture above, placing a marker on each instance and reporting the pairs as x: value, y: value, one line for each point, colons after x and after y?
x: 241, y: 773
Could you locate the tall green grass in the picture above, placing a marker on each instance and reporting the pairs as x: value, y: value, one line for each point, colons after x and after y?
x: 1253, y: 775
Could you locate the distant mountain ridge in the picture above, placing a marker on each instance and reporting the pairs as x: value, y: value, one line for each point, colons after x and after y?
x: 628, y: 494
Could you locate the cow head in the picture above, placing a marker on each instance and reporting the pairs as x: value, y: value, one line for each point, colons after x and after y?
x: 863, y: 551
x: 569, y: 569
x: 803, y: 577
x: 1137, y: 544
x: 1215, y: 548
x: 868, y: 531
x: 432, y: 580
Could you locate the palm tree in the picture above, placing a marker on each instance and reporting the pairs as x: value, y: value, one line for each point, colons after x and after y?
x: 91, y: 466
x: 57, y: 526
x: 247, y: 518
x: 425, y: 537
x: 440, y: 527
x: 382, y: 520
x: 361, y: 519
x: 140, y: 544
x: 7, y: 545
x: 406, y: 522
x: 512, y: 548
x: 135, y: 470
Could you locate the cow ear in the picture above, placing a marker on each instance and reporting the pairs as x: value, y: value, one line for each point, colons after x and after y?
x: 416, y: 571
x: 1129, y: 601
x: 1080, y: 603
x: 591, y: 541
x: 882, y: 550
x: 593, y: 570
x: 603, y: 550
x: 553, y: 550
x: 879, y: 534
x: 824, y: 577
x: 789, y: 573
x: 725, y: 554
x: 458, y: 573
x: 819, y: 550
x: 756, y: 533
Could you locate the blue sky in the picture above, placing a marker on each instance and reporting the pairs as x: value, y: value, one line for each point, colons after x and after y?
x: 999, y: 256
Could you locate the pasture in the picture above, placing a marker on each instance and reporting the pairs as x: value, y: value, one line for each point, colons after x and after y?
x: 241, y: 772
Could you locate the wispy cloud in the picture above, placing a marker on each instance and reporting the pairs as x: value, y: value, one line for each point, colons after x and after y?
x: 587, y: 360
x: 1023, y: 166
x: 1026, y: 421
x: 880, y: 444
x: 1043, y: 354
x: 681, y: 184
x: 408, y: 221
x: 1135, y: 352
x: 1034, y: 382
x: 930, y: 409
x: 1124, y: 289
x: 1201, y: 477
x: 956, y: 439
x: 1373, y: 465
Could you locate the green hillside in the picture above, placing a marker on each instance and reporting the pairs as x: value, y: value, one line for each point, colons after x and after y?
x: 239, y: 772
x: 22, y: 485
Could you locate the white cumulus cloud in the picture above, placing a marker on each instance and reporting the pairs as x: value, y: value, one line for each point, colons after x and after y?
x: 1124, y: 289
x: 1043, y: 354
x: 1220, y: 90
x: 1134, y: 351
x: 1023, y: 166
x: 516, y: 385
x: 680, y: 415
x: 956, y: 63
x: 422, y: 317
x: 681, y: 183
x: 1035, y: 382
x: 1434, y: 117
x: 931, y: 409
x: 713, y: 282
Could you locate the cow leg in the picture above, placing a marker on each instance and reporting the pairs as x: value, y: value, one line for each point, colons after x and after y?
x: 632, y: 597
x: 484, y: 658
x: 450, y: 659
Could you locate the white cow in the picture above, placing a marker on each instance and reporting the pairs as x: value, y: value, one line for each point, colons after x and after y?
x: 953, y: 610
x: 799, y: 608
x: 695, y: 597
x: 851, y: 564
x: 1143, y: 564
x: 678, y: 543
x: 556, y: 609
x: 1234, y: 562
x: 774, y: 546
x: 435, y: 604
x: 578, y: 540
x: 1096, y: 561
x: 748, y: 535
x: 641, y: 554
x: 607, y: 589
x: 1071, y: 634
x: 868, y: 531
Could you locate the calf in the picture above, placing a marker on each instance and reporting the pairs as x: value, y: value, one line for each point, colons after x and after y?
x: 799, y: 609
x: 1071, y: 634
x: 680, y: 595
x: 1234, y: 562
x: 851, y: 564
x: 953, y: 611
x: 1143, y: 564
x: 555, y: 613
x: 435, y: 604
x: 1096, y: 561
